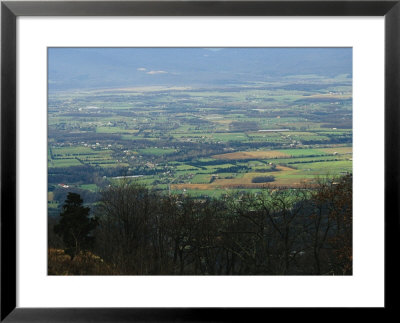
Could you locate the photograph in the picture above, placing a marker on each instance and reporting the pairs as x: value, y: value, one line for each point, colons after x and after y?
x: 200, y: 161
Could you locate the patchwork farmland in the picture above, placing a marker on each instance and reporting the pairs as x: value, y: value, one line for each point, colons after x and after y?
x: 201, y: 141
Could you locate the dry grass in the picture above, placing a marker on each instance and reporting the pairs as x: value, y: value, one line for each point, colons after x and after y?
x: 226, y: 121
x: 339, y: 150
x: 86, y: 263
x: 193, y: 186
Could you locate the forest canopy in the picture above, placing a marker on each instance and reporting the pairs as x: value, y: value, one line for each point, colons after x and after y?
x: 277, y: 232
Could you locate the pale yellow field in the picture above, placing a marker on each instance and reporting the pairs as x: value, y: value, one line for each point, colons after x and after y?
x: 339, y: 150
x: 223, y: 121
x: 193, y: 186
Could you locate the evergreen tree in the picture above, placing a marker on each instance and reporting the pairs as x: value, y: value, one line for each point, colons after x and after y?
x: 75, y: 225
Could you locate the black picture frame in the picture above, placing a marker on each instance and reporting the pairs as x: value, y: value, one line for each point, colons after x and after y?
x: 10, y: 10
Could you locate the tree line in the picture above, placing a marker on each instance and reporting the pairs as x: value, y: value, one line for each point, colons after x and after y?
x: 138, y: 231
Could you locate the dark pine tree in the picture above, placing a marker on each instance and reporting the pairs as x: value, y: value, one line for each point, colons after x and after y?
x: 75, y: 225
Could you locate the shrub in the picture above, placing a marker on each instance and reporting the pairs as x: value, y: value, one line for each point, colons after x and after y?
x: 263, y: 179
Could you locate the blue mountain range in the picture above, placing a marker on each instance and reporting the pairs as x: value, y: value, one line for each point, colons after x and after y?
x: 95, y: 68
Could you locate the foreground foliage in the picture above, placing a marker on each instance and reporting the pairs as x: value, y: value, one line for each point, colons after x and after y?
x: 86, y: 263
x: 304, y: 231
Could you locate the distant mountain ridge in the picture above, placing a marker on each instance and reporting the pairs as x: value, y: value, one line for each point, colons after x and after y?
x: 91, y: 68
